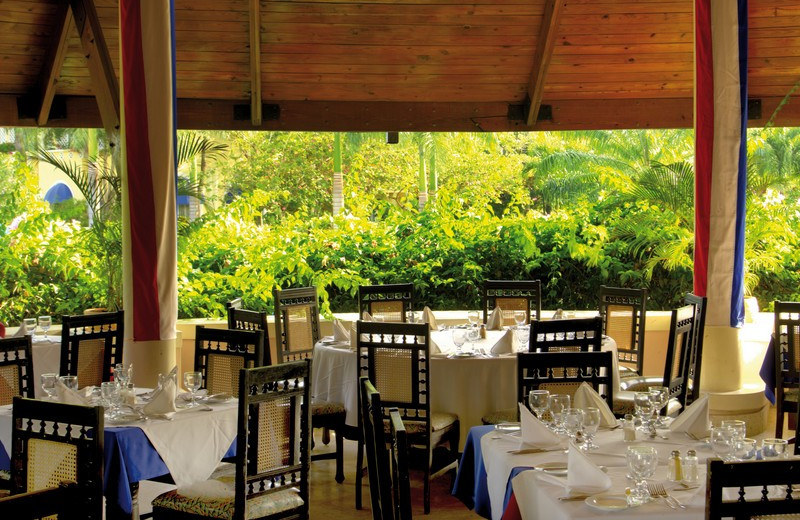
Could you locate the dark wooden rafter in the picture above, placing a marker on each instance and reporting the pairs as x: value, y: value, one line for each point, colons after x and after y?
x: 255, y: 62
x: 51, y: 68
x: 101, y: 69
x: 544, y: 52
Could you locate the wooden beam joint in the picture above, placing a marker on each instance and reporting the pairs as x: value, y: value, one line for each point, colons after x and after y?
x: 544, y: 52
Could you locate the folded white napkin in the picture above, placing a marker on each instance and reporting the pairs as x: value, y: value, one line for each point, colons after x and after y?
x: 68, y: 395
x: 694, y: 419
x: 583, y: 475
x: 495, y: 321
x: 587, y: 397
x: 534, y: 432
x: 505, y: 344
x: 21, y: 331
x: 434, y: 347
x: 340, y: 332
x: 353, y: 336
x: 365, y: 316
x: 429, y: 318
x: 163, y: 400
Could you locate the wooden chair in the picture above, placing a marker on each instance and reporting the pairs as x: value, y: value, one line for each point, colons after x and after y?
x: 297, y: 331
x: 50, y: 503
x: 510, y: 296
x: 750, y: 482
x: 389, y: 485
x: 623, y: 312
x: 54, y: 443
x: 244, y: 319
x: 16, y: 369
x: 787, y: 360
x: 396, y: 358
x: 91, y: 344
x: 219, y: 354
x: 389, y: 302
x: 270, y: 477
x: 572, y: 335
x: 696, y: 341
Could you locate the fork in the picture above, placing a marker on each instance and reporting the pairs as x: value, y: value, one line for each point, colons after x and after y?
x: 657, y: 491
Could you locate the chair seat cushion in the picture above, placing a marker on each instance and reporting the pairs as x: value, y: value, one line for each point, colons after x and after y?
x: 439, y: 421
x: 790, y: 394
x: 215, y: 499
x: 319, y: 407
x: 500, y: 416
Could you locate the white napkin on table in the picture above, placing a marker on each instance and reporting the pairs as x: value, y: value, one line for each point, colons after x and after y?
x: 365, y: 316
x: 340, y: 332
x: 583, y: 475
x: 587, y: 397
x: 533, y: 432
x: 429, y: 318
x: 163, y: 400
x: 694, y: 419
x: 21, y: 331
x: 353, y: 336
x: 505, y: 345
x: 68, y: 395
x: 434, y: 347
x: 495, y: 321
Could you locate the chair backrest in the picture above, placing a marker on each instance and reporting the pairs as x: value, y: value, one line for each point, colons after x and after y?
x: 235, y: 303
x: 16, y: 369
x: 750, y: 483
x: 787, y: 337
x: 623, y: 312
x: 563, y: 373
x: 510, y: 296
x: 401, y: 483
x: 50, y: 503
x: 56, y: 442
x: 219, y: 354
x: 695, y: 361
x: 380, y: 486
x: 389, y: 302
x: 91, y: 344
x: 680, y: 353
x: 296, y: 322
x: 572, y: 335
x: 273, y: 443
x: 244, y: 319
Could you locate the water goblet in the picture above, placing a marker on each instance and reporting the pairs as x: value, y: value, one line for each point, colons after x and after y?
x: 474, y: 317
x: 591, y: 422
x: 559, y: 403
x: 739, y: 428
x: 123, y: 374
x: 539, y: 400
x: 30, y: 326
x: 744, y: 449
x: 660, y: 396
x: 721, y: 441
x: 523, y: 338
x: 44, y: 323
x: 48, y: 382
x: 642, y: 462
x: 110, y: 392
x: 519, y: 318
x: 773, y: 448
x: 459, y: 338
x: 70, y: 382
x: 473, y: 335
x: 573, y: 421
x: 192, y: 382
x: 643, y: 406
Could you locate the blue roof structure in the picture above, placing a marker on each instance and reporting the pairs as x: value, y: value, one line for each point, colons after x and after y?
x: 59, y: 192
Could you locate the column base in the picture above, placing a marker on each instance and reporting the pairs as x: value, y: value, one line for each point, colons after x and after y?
x: 746, y: 404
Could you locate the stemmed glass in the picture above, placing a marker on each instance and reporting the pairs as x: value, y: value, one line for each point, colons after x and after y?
x: 30, y: 326
x: 44, y: 323
x: 48, y: 381
x: 523, y: 337
x: 738, y: 427
x: 721, y: 440
x: 642, y: 463
x: 591, y: 422
x: 70, y: 382
x: 773, y: 448
x: 110, y: 392
x: 573, y: 421
x: 744, y: 449
x: 660, y: 397
x: 192, y: 381
x: 459, y: 338
x: 519, y: 318
x: 644, y: 410
x: 559, y: 403
x: 474, y: 317
x: 123, y: 374
x: 539, y: 400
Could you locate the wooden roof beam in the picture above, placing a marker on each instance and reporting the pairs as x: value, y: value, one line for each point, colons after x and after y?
x: 544, y: 52
x: 255, y: 62
x: 51, y: 68
x: 101, y: 69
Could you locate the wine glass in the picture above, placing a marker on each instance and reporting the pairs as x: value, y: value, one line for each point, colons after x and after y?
x: 48, y: 381
x: 110, y: 392
x: 722, y: 442
x: 520, y: 318
x: 644, y: 410
x: 591, y: 422
x: 573, y: 421
x: 559, y: 403
x: 660, y: 396
x: 773, y: 448
x: 739, y: 428
x: 70, y: 382
x: 642, y: 462
x: 30, y: 326
x: 523, y: 337
x: 474, y: 317
x: 539, y: 400
x: 459, y: 338
x: 744, y: 449
x: 44, y: 323
x: 123, y: 374
x: 192, y: 381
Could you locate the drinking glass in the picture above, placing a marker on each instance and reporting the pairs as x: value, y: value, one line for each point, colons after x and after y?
x: 474, y: 317
x: 573, y: 421
x: 660, y: 396
x: 591, y: 422
x: 123, y: 373
x: 523, y: 338
x: 110, y: 392
x: 744, y: 449
x: 559, y: 403
x: 642, y: 462
x: 520, y: 318
x: 473, y: 335
x: 48, y: 381
x: 44, y: 323
x: 30, y: 326
x: 70, y: 382
x: 539, y: 400
x: 644, y: 410
x: 773, y: 448
x: 192, y: 381
x: 739, y: 428
x: 722, y: 442
x: 459, y: 338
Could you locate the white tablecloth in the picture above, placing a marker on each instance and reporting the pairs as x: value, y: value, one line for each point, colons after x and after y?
x: 46, y: 358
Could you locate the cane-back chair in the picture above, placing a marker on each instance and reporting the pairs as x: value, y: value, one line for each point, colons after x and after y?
x: 396, y: 359
x: 91, y: 344
x: 571, y: 335
x: 623, y: 312
x: 787, y: 360
x: 270, y: 477
x: 511, y: 296
x: 389, y: 302
x: 244, y: 319
x: 696, y: 341
x: 219, y: 355
x: 53, y: 443
x: 49, y: 503
x: 16, y: 369
x: 752, y: 489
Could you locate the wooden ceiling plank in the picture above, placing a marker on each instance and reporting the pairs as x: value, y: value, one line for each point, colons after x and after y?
x: 541, y: 60
x: 255, y: 62
x: 104, y: 80
x: 51, y: 68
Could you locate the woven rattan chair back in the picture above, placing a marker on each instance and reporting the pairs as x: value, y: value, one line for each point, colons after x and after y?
x: 91, y: 344
x: 787, y: 359
x: 378, y: 462
x: 763, y: 489
x: 16, y: 369
x: 680, y: 353
x: 389, y: 302
x: 220, y: 354
x: 510, y: 296
x: 623, y: 313
x: 273, y: 442
x: 55, y: 442
x: 572, y: 335
x: 243, y: 319
x: 296, y: 322
x: 563, y: 373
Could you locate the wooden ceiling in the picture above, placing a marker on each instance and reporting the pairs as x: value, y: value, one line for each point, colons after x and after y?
x: 393, y: 65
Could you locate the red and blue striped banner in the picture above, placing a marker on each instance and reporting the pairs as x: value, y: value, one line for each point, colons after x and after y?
x: 720, y: 157
x: 147, y: 41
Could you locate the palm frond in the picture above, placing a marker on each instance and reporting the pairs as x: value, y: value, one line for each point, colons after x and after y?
x: 191, y: 144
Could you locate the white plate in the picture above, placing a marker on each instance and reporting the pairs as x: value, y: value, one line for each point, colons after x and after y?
x: 607, y: 502
x: 507, y: 427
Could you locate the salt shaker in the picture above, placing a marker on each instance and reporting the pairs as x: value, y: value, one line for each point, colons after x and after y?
x: 690, y: 475
x: 674, y: 469
x: 628, y: 428
x: 128, y: 394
